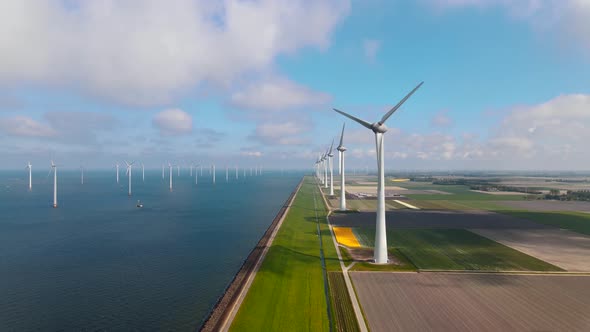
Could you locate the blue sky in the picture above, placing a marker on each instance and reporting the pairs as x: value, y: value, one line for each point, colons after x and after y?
x: 507, y: 83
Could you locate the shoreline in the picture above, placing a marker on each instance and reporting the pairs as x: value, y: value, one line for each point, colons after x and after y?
x: 220, y: 312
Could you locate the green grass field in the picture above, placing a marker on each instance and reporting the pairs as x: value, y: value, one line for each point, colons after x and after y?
x: 574, y: 221
x: 455, y: 249
x: 288, y: 291
x: 344, y: 317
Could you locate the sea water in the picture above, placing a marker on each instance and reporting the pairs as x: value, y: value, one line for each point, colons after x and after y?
x: 100, y: 262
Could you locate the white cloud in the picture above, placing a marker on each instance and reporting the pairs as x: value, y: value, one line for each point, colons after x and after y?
x: 251, y: 154
x: 147, y: 52
x: 441, y: 120
x: 173, y: 122
x: 277, y: 94
x: 569, y: 18
x: 370, y: 48
x: 281, y: 133
x: 25, y: 126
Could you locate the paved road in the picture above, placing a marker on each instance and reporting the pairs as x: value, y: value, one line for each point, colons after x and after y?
x: 473, y: 302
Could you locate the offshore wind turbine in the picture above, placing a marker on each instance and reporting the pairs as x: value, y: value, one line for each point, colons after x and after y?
x: 331, y: 166
x: 196, y: 175
x: 117, y: 166
x: 341, y: 150
x: 379, y: 128
x: 81, y: 174
x: 142, y: 172
x: 213, y: 173
x: 226, y: 173
x: 128, y: 173
x: 54, y: 169
x: 178, y: 169
x: 163, y: 171
x: 170, y: 171
x: 29, y: 167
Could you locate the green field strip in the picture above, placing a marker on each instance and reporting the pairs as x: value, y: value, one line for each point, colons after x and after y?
x: 287, y: 293
x: 454, y: 249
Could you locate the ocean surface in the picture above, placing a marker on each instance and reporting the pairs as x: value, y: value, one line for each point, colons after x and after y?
x: 99, y: 262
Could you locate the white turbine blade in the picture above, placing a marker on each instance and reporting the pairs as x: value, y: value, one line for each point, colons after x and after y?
x: 362, y: 122
x: 331, y: 146
x: 342, y: 135
x: 391, y: 111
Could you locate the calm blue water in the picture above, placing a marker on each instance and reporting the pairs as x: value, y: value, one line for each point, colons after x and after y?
x: 98, y: 262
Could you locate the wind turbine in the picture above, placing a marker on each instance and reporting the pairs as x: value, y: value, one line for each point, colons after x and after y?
x: 29, y: 167
x: 163, y: 171
x: 325, y: 159
x: 117, y: 165
x: 128, y: 173
x: 178, y: 169
x: 379, y: 128
x: 196, y: 175
x: 170, y: 171
x: 226, y: 173
x: 54, y: 169
x: 81, y: 174
x: 331, y: 166
x: 341, y: 150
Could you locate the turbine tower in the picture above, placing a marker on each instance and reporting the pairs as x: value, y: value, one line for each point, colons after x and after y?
x: 142, y: 172
x: 170, y: 171
x: 326, y: 170
x: 81, y: 174
x: 128, y: 173
x: 29, y: 167
x: 226, y: 173
x: 117, y: 165
x: 379, y: 128
x: 331, y: 166
x: 196, y: 175
x: 163, y: 171
x: 341, y: 150
x: 54, y: 169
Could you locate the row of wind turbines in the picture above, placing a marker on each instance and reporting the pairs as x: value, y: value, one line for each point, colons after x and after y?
x: 324, y: 162
x: 254, y: 171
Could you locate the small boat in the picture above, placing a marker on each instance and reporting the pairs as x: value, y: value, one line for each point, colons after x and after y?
x: 139, y: 204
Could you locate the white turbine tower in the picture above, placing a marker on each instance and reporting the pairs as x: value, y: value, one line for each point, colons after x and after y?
x: 29, y: 167
x: 128, y: 173
x: 81, y: 174
x: 142, y: 172
x: 54, y: 169
x: 226, y: 173
x: 117, y: 165
x: 196, y: 175
x: 191, y: 169
x: 331, y: 166
x: 170, y: 171
x: 379, y: 128
x: 213, y: 173
x: 163, y: 171
x: 325, y: 158
x: 341, y: 150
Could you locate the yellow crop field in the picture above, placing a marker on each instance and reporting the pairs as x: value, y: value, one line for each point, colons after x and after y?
x: 345, y: 236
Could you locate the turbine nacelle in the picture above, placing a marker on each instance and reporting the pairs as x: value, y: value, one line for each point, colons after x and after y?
x: 379, y: 127
x: 341, y: 148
